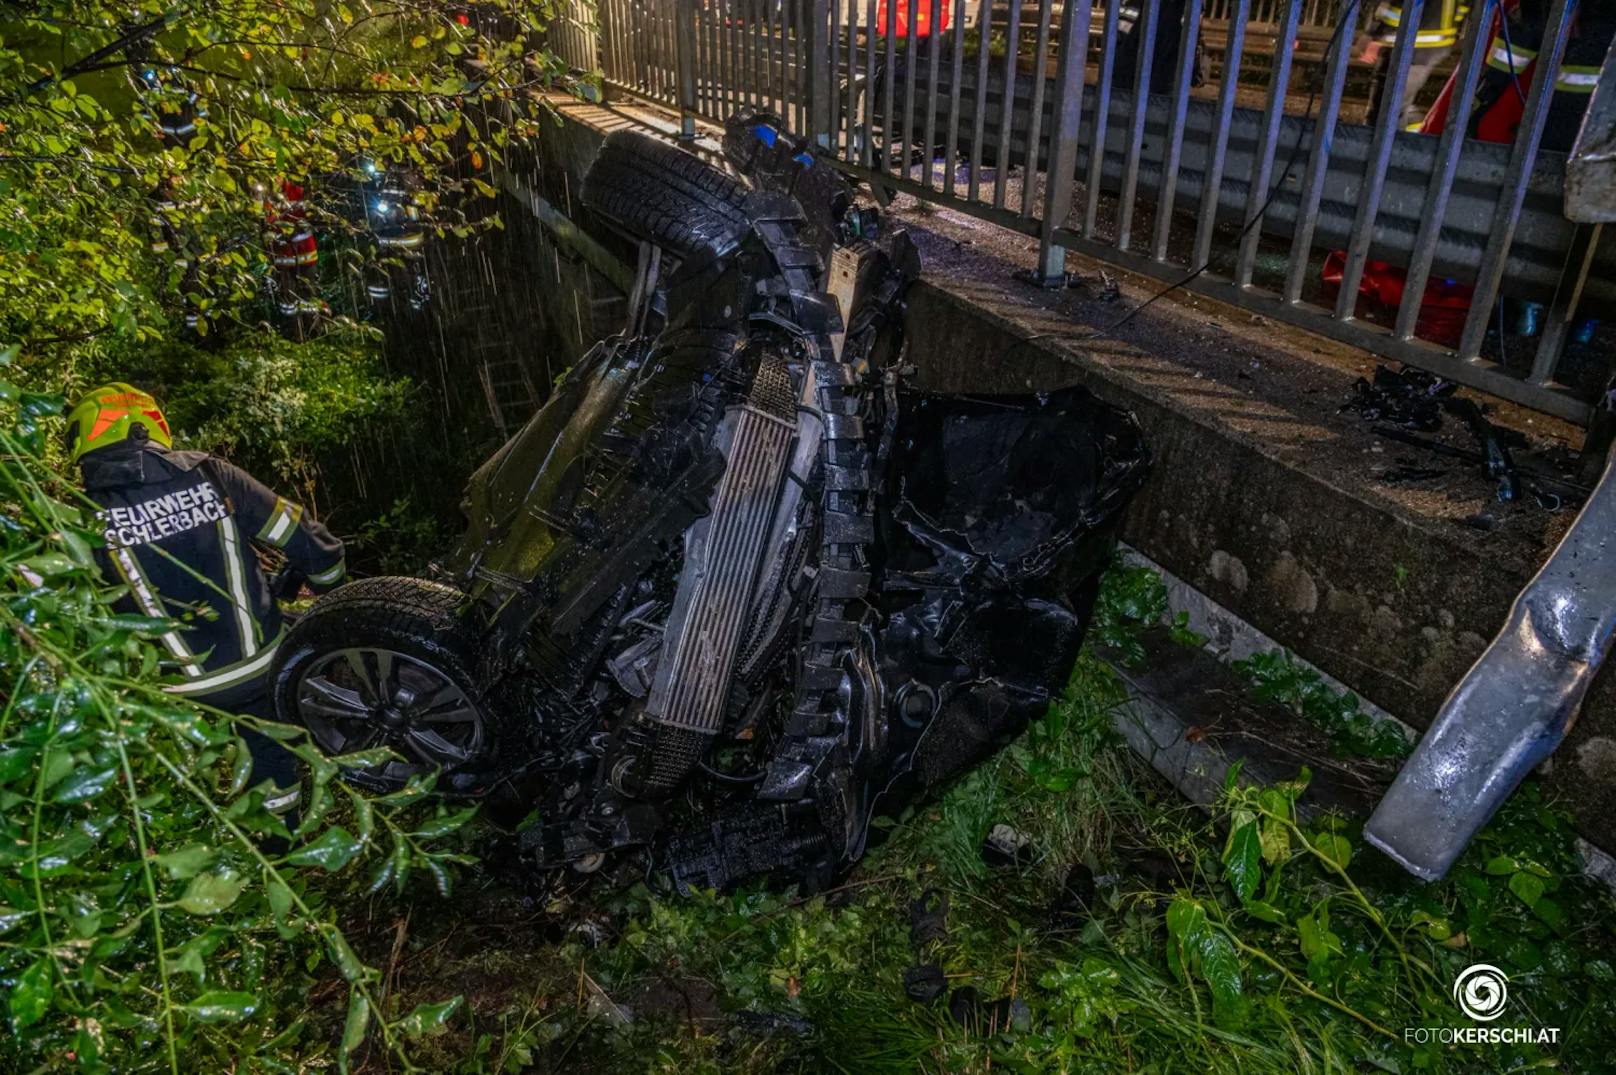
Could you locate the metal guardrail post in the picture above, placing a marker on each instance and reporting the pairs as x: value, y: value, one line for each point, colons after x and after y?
x: 684, y: 48
x: 1069, y: 69
x: 821, y: 54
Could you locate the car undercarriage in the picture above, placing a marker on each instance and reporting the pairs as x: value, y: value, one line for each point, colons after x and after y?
x: 738, y: 588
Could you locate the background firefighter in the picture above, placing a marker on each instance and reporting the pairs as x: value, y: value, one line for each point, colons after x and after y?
x: 179, y: 531
x: 1434, y: 38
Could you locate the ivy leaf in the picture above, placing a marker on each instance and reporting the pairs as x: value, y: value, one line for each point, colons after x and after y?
x: 335, y: 848
x: 223, y: 1007
x: 31, y: 998
x: 1242, y: 865
x: 210, y: 893
x: 429, y: 1018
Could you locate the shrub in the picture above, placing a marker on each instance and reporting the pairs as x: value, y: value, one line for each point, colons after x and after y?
x: 143, y: 924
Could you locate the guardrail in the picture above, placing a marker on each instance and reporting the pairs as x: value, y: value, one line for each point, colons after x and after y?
x: 1253, y: 187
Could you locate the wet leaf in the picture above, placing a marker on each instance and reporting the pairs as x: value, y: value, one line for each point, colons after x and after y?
x: 32, y: 995
x: 223, y: 1007
x: 335, y: 848
x: 187, y: 862
x: 1528, y: 887
x: 210, y: 893
x: 429, y: 1018
x: 1242, y: 865
x: 1333, y: 847
x: 354, y: 1027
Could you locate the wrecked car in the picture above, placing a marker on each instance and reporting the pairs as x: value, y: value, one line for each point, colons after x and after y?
x: 738, y: 588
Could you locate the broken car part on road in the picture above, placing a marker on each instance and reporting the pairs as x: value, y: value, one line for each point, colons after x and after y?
x: 737, y: 588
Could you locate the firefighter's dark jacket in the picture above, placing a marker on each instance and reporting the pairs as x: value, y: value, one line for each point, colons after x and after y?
x: 179, y: 529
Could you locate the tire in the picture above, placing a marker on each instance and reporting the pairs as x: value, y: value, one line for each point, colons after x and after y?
x: 660, y: 193
x: 387, y: 662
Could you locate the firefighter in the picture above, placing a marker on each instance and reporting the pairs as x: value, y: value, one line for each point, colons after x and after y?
x: 1434, y: 39
x: 180, y: 530
x: 294, y: 250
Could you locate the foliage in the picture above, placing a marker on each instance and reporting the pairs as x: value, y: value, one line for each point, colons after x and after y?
x: 147, y: 922
x: 401, y: 539
x: 286, y: 90
x: 1133, y: 598
x: 277, y: 408
x: 1275, y: 676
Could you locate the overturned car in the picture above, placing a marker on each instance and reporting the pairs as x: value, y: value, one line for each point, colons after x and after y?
x: 736, y: 589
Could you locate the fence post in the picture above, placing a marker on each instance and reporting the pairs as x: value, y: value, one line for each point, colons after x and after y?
x: 684, y: 47
x: 1062, y: 158
x: 821, y: 92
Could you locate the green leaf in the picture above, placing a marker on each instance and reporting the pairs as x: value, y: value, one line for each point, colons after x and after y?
x: 1528, y: 887
x: 1276, y: 842
x: 1242, y: 866
x: 31, y: 997
x: 354, y: 1027
x: 1333, y: 847
x: 223, y: 1007
x: 210, y: 893
x: 335, y: 848
x: 1499, y: 865
x: 429, y: 1018
x: 1265, y: 911
x: 187, y: 862
x: 1221, y: 968
x: 444, y: 824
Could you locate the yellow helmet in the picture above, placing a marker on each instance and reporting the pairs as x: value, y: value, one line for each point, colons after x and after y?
x: 107, y: 415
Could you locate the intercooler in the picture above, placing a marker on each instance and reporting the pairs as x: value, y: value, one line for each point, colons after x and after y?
x: 724, y: 555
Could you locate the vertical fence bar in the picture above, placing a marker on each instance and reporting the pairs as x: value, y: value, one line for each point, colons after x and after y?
x: 685, y: 40
x: 1229, y: 85
x: 1318, y: 158
x: 821, y: 52
x: 889, y: 93
x: 1182, y: 77
x: 1262, y: 170
x: 1145, y: 32
x: 984, y: 33
x: 1070, y: 66
x: 1516, y: 176
x: 754, y: 34
x: 910, y: 75
x: 867, y: 141
x: 1380, y: 154
x: 1102, y: 115
x: 956, y: 73
x: 1472, y: 53
x: 1007, y: 108
x: 831, y: 45
x: 929, y: 139
x: 799, y: 53
x: 771, y: 85
x: 1035, y: 120
x: 850, y: 149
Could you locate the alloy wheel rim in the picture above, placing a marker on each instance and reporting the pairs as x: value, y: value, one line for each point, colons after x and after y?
x: 362, y: 697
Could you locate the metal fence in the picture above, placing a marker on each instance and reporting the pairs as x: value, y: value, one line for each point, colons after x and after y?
x: 1252, y: 188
